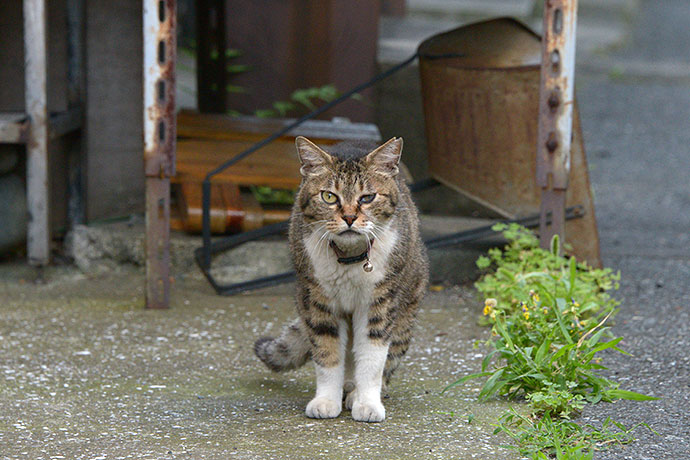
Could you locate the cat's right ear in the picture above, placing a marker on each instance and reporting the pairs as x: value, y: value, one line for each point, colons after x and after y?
x: 314, y: 160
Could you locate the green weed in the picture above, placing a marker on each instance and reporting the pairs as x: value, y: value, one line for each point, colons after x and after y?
x: 548, y: 316
x: 552, y: 437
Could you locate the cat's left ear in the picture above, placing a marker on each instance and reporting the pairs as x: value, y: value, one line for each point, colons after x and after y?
x: 385, y: 159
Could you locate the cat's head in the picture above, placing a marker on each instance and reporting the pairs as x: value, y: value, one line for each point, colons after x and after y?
x: 349, y: 192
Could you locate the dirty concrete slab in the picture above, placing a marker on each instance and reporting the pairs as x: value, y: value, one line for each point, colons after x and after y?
x: 107, y: 247
x: 87, y: 372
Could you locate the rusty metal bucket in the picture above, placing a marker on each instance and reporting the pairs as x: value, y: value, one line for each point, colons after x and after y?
x: 481, y: 114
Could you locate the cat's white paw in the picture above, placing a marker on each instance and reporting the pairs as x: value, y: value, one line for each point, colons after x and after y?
x: 370, y: 411
x: 323, y: 408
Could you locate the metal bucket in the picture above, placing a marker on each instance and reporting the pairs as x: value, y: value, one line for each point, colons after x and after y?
x: 481, y: 115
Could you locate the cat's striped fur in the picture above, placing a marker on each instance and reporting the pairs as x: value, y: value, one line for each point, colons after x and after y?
x: 355, y: 325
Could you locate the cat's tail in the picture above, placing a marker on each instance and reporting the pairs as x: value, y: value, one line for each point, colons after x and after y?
x: 289, y: 351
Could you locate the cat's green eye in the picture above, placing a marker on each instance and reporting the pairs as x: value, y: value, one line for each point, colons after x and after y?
x: 367, y: 198
x: 329, y: 198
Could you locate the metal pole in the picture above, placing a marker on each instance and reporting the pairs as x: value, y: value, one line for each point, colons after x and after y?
x: 555, y: 114
x: 160, y: 18
x: 75, y: 101
x: 211, y: 72
x: 35, y: 44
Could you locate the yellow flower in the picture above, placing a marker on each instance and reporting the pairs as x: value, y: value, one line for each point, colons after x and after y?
x: 489, y: 305
x: 534, y: 296
x: 525, y: 313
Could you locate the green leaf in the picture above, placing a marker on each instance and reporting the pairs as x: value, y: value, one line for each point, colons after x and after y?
x: 304, y: 96
x: 483, y: 262
x: 238, y: 68
x: 265, y: 113
x: 465, y: 379
x: 555, y: 245
x: 233, y: 53
x: 503, y: 333
x: 573, y: 275
x: 487, y: 359
x: 632, y: 395
x: 235, y: 89
x: 595, y: 338
x: 558, y: 308
x: 492, y: 385
x: 605, y: 345
x: 541, y: 351
x: 328, y: 93
x: 282, y: 107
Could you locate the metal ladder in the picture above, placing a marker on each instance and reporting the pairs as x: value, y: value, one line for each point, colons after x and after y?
x: 36, y: 127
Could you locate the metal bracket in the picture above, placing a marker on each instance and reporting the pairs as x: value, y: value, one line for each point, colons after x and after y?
x: 555, y: 114
x: 160, y: 19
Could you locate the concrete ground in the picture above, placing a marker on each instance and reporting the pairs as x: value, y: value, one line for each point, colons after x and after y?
x: 85, y: 372
x: 636, y: 129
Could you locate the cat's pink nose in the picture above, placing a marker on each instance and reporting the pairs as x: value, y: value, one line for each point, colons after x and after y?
x: 349, y: 219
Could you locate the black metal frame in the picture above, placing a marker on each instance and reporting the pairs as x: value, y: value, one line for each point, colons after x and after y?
x: 204, y: 254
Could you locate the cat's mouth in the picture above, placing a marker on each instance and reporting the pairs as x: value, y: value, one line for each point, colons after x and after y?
x: 349, y: 231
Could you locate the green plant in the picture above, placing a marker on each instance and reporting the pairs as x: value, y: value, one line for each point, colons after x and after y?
x: 270, y: 196
x: 301, y: 99
x: 548, y: 316
x: 548, y: 437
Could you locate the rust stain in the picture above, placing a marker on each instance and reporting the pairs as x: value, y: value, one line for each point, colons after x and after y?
x: 159, y: 158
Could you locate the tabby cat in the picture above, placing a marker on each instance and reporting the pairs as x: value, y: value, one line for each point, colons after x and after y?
x: 361, y: 270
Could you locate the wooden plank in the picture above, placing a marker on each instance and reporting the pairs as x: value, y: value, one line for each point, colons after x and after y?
x: 275, y: 165
x: 223, y: 127
x: 35, y: 44
x: 231, y: 211
x: 13, y: 127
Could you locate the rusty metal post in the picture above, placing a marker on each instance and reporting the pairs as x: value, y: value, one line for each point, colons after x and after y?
x: 159, y: 143
x: 555, y: 114
x: 37, y: 165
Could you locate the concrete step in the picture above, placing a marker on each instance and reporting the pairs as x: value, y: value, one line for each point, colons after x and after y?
x: 108, y: 247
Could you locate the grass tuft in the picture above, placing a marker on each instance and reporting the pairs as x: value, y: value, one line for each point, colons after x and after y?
x: 548, y: 316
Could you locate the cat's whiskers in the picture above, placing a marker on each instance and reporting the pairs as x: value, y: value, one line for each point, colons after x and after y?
x: 325, y: 239
x: 377, y: 231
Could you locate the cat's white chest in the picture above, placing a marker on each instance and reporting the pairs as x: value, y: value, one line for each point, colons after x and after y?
x: 348, y: 286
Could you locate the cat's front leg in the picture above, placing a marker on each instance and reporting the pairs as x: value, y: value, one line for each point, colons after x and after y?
x: 329, y: 341
x: 370, y: 349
